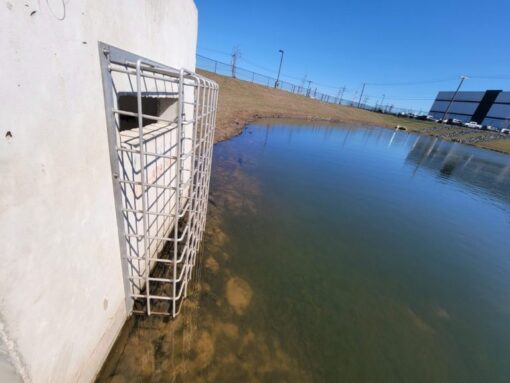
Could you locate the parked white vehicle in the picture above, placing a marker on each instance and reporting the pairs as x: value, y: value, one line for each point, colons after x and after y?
x: 505, y: 131
x: 473, y: 125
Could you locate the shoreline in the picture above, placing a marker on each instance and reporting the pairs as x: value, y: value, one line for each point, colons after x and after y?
x: 241, y: 103
x: 338, y: 123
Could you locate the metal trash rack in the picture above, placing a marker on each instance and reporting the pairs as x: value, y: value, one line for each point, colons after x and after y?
x: 160, y: 123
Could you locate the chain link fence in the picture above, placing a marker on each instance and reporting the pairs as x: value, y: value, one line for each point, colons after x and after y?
x: 225, y: 69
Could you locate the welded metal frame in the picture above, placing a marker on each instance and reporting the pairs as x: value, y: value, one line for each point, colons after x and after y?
x: 158, y: 265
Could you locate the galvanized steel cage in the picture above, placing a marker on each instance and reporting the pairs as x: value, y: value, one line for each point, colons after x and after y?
x: 160, y: 124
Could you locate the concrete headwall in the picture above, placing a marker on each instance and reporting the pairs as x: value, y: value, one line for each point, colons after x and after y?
x: 62, y: 299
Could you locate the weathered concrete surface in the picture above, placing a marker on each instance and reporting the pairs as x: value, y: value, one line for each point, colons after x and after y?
x: 10, y: 363
x: 62, y: 299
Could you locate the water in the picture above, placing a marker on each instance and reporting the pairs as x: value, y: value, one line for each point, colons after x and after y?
x: 354, y: 254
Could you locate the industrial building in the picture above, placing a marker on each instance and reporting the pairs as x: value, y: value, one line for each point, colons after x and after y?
x: 491, y: 107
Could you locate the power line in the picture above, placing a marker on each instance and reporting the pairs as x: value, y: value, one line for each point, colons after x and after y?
x: 213, y: 51
x: 257, y: 65
x: 411, y: 98
x: 269, y: 70
x: 413, y: 82
x: 357, y: 97
x: 494, y: 77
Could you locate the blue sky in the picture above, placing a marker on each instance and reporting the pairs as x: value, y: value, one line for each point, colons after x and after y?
x: 347, y: 42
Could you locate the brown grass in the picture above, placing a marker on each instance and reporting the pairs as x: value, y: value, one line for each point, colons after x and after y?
x: 502, y: 145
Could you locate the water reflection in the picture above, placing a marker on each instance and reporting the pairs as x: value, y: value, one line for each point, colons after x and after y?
x: 478, y: 169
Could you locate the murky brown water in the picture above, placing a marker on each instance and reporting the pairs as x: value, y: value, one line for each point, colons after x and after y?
x: 212, y: 339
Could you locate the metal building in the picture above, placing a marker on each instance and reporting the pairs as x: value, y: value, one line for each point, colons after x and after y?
x: 491, y: 107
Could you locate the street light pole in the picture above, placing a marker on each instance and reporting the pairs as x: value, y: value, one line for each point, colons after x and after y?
x: 277, y: 82
x: 462, y: 78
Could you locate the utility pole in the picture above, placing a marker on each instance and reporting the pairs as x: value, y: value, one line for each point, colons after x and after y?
x: 462, y: 78
x: 236, y: 53
x: 302, y: 86
x: 382, y: 101
x: 341, y: 94
x: 354, y: 97
x: 365, y: 100
x: 361, y: 95
x: 277, y: 82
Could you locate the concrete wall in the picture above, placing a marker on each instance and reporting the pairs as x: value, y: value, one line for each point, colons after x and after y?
x: 62, y: 299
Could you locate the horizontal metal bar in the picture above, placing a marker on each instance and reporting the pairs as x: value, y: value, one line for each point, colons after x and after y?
x: 146, y: 116
x: 138, y: 312
x: 145, y: 68
x: 146, y: 75
x: 160, y: 297
x: 152, y: 279
x: 159, y: 238
x: 134, y: 151
x: 147, y: 185
x: 135, y: 211
x: 179, y: 278
x: 139, y: 183
x: 161, y: 260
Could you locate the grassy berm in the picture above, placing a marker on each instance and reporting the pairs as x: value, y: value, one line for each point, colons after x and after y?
x: 241, y: 102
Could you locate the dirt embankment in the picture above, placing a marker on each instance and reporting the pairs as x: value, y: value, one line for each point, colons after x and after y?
x: 241, y: 102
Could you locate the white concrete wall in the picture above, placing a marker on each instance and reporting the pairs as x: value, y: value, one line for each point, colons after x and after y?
x: 62, y: 298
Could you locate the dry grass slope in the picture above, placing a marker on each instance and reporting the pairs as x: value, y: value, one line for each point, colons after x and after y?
x: 241, y: 102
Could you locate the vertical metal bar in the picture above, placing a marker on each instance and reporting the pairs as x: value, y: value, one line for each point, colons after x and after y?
x: 143, y: 176
x: 177, y: 190
x: 191, y: 197
x: 111, y: 125
x: 201, y: 150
